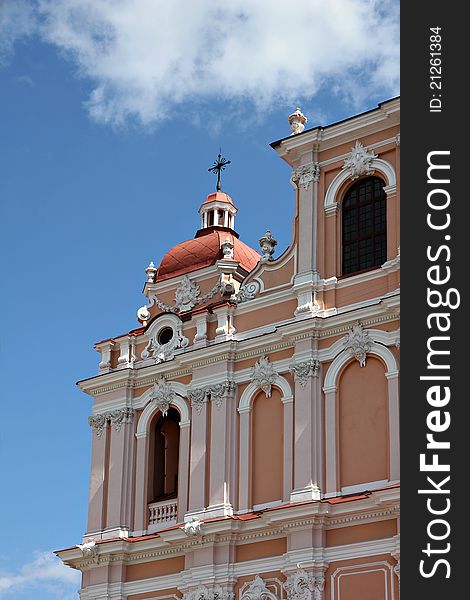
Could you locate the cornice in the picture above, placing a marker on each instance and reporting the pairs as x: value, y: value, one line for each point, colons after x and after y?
x: 229, y: 572
x: 383, y: 117
x: 379, y: 310
x: 375, y: 506
x: 341, y: 157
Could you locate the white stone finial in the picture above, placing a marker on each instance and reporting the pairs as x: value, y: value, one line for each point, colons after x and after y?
x: 267, y: 244
x: 151, y: 272
x: 297, y: 121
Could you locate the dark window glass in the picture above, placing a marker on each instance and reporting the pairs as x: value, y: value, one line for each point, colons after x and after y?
x: 364, y: 213
x: 164, y: 471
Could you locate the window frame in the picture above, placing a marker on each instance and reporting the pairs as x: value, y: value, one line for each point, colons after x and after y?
x: 373, y: 267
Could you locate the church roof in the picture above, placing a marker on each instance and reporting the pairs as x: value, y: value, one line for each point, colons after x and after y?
x: 218, y: 197
x: 203, y: 251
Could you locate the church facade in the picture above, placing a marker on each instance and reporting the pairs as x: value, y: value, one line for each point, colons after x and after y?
x: 245, y: 435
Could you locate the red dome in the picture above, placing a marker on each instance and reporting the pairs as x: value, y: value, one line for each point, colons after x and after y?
x: 204, y: 250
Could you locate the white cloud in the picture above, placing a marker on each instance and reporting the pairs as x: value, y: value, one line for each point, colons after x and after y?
x: 17, y: 21
x: 146, y: 58
x: 45, y: 572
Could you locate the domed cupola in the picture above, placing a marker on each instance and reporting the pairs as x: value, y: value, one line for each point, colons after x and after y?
x: 206, y: 248
x: 218, y: 210
x: 214, y: 241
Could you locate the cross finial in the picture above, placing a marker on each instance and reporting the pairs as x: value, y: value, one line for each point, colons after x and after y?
x: 219, y: 165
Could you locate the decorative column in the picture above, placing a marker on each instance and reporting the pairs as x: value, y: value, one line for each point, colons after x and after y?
x: 222, y: 434
x: 288, y: 403
x: 332, y: 261
x: 396, y: 555
x: 393, y: 225
x: 244, y: 490
x: 307, y: 441
x: 97, y: 499
x: 183, y: 477
x: 225, y: 327
x: 200, y: 339
x: 124, y: 352
x: 141, y: 487
x: 197, y: 467
x: 394, y: 425
x: 105, y: 349
x: 305, y: 179
x: 121, y: 473
x: 331, y: 482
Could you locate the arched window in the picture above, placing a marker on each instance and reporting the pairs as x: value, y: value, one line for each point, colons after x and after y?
x: 364, y: 220
x: 165, y: 451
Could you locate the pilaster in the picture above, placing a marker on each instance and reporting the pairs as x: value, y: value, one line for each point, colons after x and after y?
x: 221, y: 452
x: 197, y: 466
x: 98, y: 476
x: 307, y: 426
x: 121, y: 473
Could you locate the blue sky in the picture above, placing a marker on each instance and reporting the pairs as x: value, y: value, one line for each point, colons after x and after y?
x: 107, y: 128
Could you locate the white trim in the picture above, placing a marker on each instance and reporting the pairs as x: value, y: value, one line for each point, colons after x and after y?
x: 265, y: 505
x: 331, y: 418
x: 377, y: 164
x: 246, y: 399
x: 274, y: 265
x: 385, y: 116
x: 385, y: 338
x: 245, y: 451
x: 342, y: 157
x: 344, y: 357
x: 348, y: 570
x: 366, y: 487
x: 196, y: 575
x: 172, y: 282
x: 150, y: 408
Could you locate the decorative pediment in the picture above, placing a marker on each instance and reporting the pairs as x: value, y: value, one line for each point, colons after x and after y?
x: 263, y: 375
x: 358, y: 162
x: 358, y: 343
x: 162, y: 395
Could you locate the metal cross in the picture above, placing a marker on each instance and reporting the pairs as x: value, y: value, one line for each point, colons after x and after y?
x: 219, y: 165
